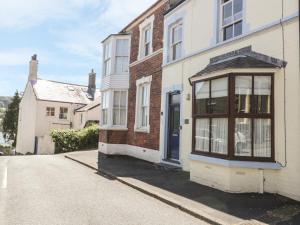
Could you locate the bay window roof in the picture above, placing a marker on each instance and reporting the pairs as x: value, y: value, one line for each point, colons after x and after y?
x: 243, y: 58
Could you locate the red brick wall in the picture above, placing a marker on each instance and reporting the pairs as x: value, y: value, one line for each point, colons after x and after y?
x: 113, y: 137
x: 152, y: 66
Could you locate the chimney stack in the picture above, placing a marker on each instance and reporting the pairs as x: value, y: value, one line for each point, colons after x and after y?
x: 92, y: 83
x: 33, y: 67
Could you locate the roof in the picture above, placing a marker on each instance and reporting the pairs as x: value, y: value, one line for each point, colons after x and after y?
x: 243, y: 58
x: 90, y: 106
x: 47, y: 90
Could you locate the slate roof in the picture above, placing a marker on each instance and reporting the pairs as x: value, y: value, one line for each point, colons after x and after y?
x: 90, y: 106
x: 241, y: 59
x: 62, y: 92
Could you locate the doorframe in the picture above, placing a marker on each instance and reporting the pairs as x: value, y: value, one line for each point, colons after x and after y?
x: 166, y: 93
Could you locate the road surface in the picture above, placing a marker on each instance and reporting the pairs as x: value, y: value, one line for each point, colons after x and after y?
x: 42, y: 190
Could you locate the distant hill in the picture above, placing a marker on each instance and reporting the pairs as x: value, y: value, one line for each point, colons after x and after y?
x: 4, y: 101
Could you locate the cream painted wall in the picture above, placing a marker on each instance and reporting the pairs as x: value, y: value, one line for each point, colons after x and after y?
x: 45, y: 124
x: 90, y: 115
x: 26, y: 124
x: 199, y: 47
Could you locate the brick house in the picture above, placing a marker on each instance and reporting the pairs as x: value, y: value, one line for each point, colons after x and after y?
x: 131, y: 87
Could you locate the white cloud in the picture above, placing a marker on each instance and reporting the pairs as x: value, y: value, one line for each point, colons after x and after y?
x: 24, y: 14
x: 20, y: 57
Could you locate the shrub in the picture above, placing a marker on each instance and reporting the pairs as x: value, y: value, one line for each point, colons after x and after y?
x: 74, y: 140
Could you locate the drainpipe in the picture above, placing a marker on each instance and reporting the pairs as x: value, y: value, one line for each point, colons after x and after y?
x: 261, y: 181
x: 284, y: 83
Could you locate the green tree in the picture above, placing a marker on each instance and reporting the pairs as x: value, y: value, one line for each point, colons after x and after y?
x: 10, y: 120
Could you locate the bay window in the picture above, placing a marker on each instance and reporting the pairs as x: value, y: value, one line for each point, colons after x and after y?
x: 231, y: 18
x: 120, y: 108
x: 233, y: 117
x: 105, y: 106
x: 107, y: 59
x: 122, y: 59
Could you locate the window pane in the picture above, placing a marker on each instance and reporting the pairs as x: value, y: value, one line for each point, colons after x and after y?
x: 116, y: 117
x: 121, y: 64
x: 104, y: 116
x: 228, y: 32
x: 122, y: 47
x: 123, y: 99
x: 227, y: 13
x: 262, y: 94
x: 237, y: 6
x: 202, y: 135
x: 175, y: 99
x: 116, y: 98
x: 243, y: 91
x: 145, y: 90
x: 177, y: 51
x: 202, y: 97
x: 219, y: 135
x: 144, y: 116
x: 243, y: 137
x: 147, y: 35
x: 262, y: 138
x: 177, y: 34
x: 107, y: 67
x: 219, y: 93
x: 123, y: 117
x: 147, y: 49
x: 238, y: 28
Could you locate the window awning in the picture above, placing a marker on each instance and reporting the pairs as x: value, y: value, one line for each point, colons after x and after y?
x: 243, y: 58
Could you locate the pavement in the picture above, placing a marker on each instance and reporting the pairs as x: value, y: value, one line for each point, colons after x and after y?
x: 53, y: 190
x: 173, y: 187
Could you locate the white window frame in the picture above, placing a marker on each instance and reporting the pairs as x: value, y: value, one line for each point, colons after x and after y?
x: 107, y: 58
x: 233, y: 20
x: 49, y: 111
x: 140, y: 84
x: 120, y: 108
x: 172, y: 44
x: 63, y: 115
x: 105, y: 107
x: 146, y: 25
x: 121, y: 56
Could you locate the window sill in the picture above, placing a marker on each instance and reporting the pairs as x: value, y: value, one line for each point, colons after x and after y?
x: 113, y: 128
x: 236, y: 164
x: 142, y: 130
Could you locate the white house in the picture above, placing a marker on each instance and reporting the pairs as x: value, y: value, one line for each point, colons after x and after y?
x: 48, y: 105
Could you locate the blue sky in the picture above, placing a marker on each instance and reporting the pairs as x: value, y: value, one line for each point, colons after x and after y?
x: 65, y: 34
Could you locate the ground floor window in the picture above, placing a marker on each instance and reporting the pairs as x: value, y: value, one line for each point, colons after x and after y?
x: 120, y: 108
x: 63, y: 113
x: 142, y: 121
x: 233, y: 117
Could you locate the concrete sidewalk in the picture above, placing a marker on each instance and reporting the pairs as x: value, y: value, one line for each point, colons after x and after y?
x: 174, y: 188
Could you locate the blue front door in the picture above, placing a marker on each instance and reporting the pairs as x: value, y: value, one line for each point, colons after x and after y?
x: 174, y: 126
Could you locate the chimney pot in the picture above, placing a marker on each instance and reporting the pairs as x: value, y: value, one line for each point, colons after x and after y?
x: 33, y: 68
x: 92, y: 83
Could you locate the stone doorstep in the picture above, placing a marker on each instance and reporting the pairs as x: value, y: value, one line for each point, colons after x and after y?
x: 195, y: 209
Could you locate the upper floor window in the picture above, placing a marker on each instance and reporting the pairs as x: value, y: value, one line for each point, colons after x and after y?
x: 231, y: 18
x: 146, y: 33
x: 50, y: 111
x: 63, y: 113
x: 122, y: 59
x: 143, y: 104
x: 105, y: 106
x: 176, y: 39
x: 107, y: 59
x: 233, y: 117
x: 120, y: 108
